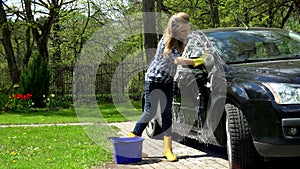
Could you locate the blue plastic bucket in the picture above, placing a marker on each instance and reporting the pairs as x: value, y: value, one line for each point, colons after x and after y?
x: 127, y: 149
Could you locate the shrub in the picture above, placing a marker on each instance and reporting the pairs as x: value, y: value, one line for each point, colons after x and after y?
x: 3, y: 98
x: 35, y: 80
x: 54, y: 102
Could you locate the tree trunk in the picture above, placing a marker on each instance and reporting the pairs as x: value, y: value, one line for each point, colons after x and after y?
x: 57, y: 71
x: 41, y: 33
x: 297, y: 5
x: 271, y: 14
x: 150, y: 35
x: 9, y: 53
x: 28, y: 49
x: 214, y: 13
x: 287, y: 16
x: 160, y: 29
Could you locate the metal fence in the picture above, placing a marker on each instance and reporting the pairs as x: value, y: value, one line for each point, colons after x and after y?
x: 62, y: 79
x: 126, y: 77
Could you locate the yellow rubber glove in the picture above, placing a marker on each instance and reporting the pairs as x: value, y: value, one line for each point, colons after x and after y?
x: 198, y: 62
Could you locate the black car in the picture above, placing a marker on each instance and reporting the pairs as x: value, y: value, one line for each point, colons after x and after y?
x: 247, y: 100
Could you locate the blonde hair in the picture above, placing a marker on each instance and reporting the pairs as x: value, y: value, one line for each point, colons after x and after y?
x: 174, y: 25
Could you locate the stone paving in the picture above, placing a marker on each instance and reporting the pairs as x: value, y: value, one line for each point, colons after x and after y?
x: 188, y: 157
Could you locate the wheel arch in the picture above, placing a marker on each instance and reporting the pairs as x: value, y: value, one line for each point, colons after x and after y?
x: 235, y: 95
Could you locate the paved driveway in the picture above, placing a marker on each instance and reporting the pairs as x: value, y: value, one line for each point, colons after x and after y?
x: 200, y: 157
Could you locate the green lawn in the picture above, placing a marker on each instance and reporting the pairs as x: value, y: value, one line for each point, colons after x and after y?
x: 40, y: 117
x: 106, y: 111
x: 58, y: 146
x: 50, y: 147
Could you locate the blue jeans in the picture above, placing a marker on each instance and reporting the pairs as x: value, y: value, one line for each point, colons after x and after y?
x: 153, y: 94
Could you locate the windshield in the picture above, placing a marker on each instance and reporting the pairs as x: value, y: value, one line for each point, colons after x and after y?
x: 255, y: 45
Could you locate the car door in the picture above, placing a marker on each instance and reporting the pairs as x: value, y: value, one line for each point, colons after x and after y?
x: 189, y: 103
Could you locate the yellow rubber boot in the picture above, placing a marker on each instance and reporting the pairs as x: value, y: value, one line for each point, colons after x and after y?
x: 168, y: 149
x: 131, y: 134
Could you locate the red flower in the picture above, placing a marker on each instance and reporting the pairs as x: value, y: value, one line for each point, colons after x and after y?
x: 21, y: 97
x: 27, y: 96
x: 18, y: 96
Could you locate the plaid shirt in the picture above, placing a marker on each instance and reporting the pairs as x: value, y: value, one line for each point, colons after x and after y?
x: 162, y: 69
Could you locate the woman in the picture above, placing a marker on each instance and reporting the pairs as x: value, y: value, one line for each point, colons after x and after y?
x: 159, y: 78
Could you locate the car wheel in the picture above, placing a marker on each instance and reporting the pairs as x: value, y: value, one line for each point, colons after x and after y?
x: 240, y: 148
x: 153, y: 128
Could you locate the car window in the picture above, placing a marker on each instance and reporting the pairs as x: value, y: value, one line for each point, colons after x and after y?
x: 255, y: 45
x: 196, y: 45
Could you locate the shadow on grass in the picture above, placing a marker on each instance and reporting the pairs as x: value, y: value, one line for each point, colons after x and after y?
x: 57, y: 112
x: 107, y: 113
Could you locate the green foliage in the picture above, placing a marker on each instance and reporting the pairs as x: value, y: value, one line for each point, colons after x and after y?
x: 3, y: 98
x: 136, y: 85
x: 54, y: 102
x: 232, y: 13
x: 74, y: 28
x: 35, y: 80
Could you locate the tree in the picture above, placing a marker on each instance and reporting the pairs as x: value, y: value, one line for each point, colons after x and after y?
x: 58, y: 29
x: 6, y: 34
x: 37, y: 30
x: 41, y: 31
x: 214, y: 13
x: 149, y: 20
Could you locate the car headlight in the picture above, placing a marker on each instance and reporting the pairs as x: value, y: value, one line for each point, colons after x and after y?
x: 285, y: 93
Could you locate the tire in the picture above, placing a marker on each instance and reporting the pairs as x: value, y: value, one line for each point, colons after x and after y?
x: 240, y: 148
x: 153, y: 128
